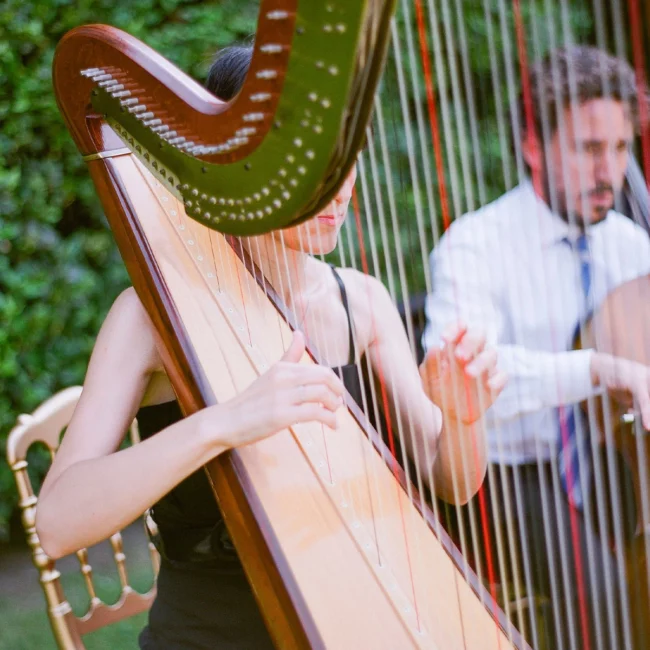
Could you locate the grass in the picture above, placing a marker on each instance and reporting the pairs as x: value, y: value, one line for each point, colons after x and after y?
x: 24, y: 624
x: 30, y: 630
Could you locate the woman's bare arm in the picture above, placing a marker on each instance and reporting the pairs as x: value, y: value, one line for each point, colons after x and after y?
x: 452, y: 458
x: 413, y: 416
x: 92, y: 490
x: 462, y: 378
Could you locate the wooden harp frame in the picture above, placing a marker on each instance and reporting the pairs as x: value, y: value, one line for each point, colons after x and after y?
x: 307, y: 580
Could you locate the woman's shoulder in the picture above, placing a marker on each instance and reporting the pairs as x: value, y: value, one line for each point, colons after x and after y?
x: 368, y: 298
x: 128, y: 325
x: 127, y: 311
x: 128, y: 305
x: 362, y: 286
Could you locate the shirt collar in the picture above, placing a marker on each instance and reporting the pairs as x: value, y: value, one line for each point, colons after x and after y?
x: 552, y: 227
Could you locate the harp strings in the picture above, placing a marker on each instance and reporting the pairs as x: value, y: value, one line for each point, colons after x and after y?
x: 312, y: 327
x: 461, y: 186
x: 453, y: 120
x: 379, y: 397
x: 371, y: 179
x: 414, y: 182
x: 569, y: 548
x: 537, y: 36
x: 643, y: 508
x: 398, y: 428
x: 389, y: 233
x: 446, y: 176
x: 468, y: 463
x: 560, y: 585
x: 197, y: 240
x: 588, y: 564
x: 386, y: 182
x: 318, y: 333
x: 325, y: 341
x: 373, y: 398
x: 434, y: 131
x: 403, y: 419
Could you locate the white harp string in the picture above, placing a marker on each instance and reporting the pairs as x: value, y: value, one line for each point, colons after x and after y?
x: 609, y: 631
x: 414, y: 182
x: 473, y: 154
x: 547, y: 26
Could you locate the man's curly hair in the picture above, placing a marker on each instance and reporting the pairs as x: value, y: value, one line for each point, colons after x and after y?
x: 578, y: 74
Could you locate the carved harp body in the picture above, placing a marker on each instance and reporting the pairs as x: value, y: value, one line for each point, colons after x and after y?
x: 339, y: 549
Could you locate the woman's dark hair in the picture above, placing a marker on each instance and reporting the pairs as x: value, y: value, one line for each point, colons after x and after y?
x: 228, y: 71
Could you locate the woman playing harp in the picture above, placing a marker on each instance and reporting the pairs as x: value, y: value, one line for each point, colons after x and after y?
x: 203, y: 598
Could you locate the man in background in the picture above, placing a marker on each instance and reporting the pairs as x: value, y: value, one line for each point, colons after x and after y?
x: 528, y: 269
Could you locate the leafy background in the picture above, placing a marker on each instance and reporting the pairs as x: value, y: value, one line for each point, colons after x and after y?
x: 59, y: 267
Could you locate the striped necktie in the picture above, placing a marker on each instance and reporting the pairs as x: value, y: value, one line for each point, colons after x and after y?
x: 573, y: 457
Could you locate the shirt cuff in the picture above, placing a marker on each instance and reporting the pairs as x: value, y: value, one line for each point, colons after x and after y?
x: 567, y: 377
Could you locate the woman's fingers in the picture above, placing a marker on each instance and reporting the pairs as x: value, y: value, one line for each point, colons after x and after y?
x: 319, y: 394
x: 295, y: 350
x: 310, y: 392
x: 454, y: 333
x: 434, y: 364
x: 497, y: 382
x: 470, y: 345
x: 484, y: 363
x: 313, y: 374
x: 312, y: 412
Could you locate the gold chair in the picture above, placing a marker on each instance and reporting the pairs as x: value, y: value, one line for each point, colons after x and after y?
x: 45, y: 425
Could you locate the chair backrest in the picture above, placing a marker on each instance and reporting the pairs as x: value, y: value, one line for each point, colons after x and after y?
x: 45, y: 425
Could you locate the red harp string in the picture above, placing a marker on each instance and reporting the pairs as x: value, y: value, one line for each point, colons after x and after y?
x: 636, y: 24
x: 425, y: 57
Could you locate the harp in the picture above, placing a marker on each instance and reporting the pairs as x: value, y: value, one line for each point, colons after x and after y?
x: 341, y: 550
x: 333, y: 561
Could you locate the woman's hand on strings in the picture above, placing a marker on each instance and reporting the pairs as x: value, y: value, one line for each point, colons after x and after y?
x: 289, y: 393
x: 461, y: 377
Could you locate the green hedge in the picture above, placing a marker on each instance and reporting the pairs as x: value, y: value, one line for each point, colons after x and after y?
x: 59, y: 267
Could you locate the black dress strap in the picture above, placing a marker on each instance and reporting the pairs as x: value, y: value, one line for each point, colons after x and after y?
x: 344, y: 299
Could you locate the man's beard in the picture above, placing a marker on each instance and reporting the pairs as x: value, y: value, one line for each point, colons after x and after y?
x: 559, y: 204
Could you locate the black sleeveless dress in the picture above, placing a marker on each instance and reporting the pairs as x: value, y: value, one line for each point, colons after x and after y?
x: 204, y: 600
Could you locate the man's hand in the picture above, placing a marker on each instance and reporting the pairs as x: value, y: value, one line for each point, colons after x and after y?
x: 626, y: 381
x: 462, y: 376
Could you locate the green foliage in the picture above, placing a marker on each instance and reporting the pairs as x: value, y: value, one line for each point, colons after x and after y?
x: 59, y: 267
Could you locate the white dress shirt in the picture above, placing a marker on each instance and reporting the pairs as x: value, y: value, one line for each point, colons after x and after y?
x: 509, y: 270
